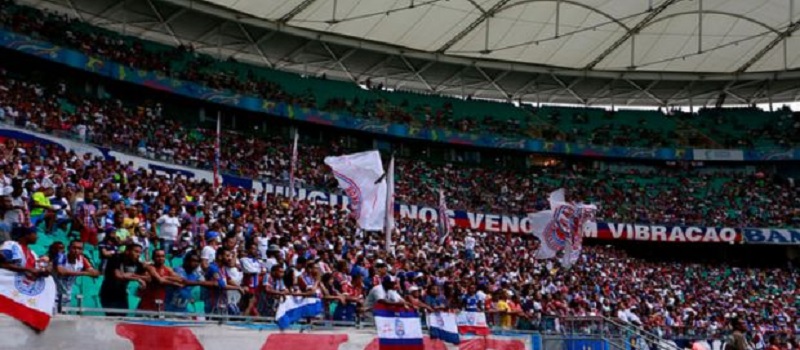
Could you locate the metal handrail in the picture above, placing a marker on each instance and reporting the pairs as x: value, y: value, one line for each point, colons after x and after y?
x: 630, y: 329
x: 200, y: 318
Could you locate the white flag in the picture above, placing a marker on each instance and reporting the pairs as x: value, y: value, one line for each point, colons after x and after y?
x: 389, y: 204
x: 584, y: 220
x: 29, y: 300
x: 359, y: 175
x: 561, y: 228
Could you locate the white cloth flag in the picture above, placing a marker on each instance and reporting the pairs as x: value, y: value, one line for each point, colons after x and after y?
x: 561, y: 228
x: 30, y: 301
x: 583, y: 220
x: 359, y: 175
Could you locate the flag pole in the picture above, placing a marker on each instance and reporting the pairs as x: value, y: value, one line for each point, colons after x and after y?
x: 389, y: 222
x: 216, y: 151
x: 293, y: 165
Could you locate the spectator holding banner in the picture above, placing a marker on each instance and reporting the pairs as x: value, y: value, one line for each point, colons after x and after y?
x: 16, y: 255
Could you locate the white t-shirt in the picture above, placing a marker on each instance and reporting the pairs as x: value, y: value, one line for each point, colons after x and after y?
x: 168, y: 227
x: 377, y: 293
x: 208, y: 253
x: 270, y: 263
x: 250, y: 265
x: 81, y: 129
x: 263, y: 245
x: 14, y: 216
x: 469, y: 243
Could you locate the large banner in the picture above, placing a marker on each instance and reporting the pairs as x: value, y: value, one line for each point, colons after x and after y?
x: 493, y: 223
x: 733, y: 155
x: 159, y: 81
x: 771, y: 236
x: 81, y: 333
x: 664, y: 233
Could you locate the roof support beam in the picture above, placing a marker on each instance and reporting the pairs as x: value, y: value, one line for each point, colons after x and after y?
x: 205, y: 36
x: 477, y: 6
x: 111, y: 9
x: 380, y: 64
x: 75, y: 11
x: 687, y: 91
x: 417, y: 72
x: 443, y: 84
x: 522, y: 91
x: 727, y: 90
x: 286, y: 57
x: 568, y: 88
x: 165, y: 22
x: 771, y: 45
x: 643, y: 23
x: 338, y: 61
x: 255, y: 44
x: 602, y: 93
x: 296, y: 10
x: 494, y: 81
x: 463, y: 33
x: 646, y: 91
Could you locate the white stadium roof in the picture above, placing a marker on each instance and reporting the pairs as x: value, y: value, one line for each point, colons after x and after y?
x: 622, y: 52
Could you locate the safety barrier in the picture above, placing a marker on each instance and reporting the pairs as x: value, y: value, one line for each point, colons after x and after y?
x: 83, y: 333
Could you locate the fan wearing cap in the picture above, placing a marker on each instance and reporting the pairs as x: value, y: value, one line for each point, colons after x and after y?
x: 209, y: 252
x: 16, y: 255
x: 273, y: 257
x: 381, y: 271
x: 415, y: 299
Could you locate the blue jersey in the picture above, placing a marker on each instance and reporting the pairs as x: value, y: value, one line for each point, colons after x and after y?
x: 215, y: 297
x: 471, y: 302
x: 178, y: 298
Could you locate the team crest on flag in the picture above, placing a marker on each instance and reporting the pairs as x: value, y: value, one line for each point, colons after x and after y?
x: 30, y: 301
x: 443, y: 325
x: 472, y: 322
x: 361, y: 176
x: 27, y: 286
x: 398, y: 328
x: 353, y: 192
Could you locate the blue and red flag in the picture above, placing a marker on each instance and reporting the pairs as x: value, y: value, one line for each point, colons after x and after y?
x: 398, y: 328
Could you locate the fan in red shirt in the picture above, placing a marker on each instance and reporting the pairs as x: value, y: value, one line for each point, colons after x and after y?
x: 160, y: 277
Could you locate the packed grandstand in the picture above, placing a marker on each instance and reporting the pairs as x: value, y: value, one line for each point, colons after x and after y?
x: 91, y: 210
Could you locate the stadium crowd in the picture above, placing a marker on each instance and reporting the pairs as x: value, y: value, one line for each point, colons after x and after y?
x: 245, y: 251
x: 183, y: 62
x: 650, y: 195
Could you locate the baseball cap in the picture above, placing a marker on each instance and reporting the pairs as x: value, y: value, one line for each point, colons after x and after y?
x: 212, y: 235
